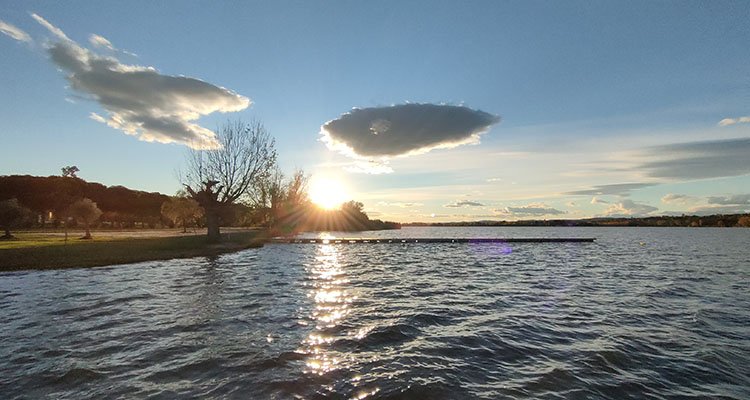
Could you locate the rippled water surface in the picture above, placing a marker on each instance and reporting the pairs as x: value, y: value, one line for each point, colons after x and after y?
x: 641, y: 313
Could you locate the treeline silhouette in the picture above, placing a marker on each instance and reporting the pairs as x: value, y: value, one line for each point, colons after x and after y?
x: 49, y: 198
x: 718, y: 220
x: 309, y: 217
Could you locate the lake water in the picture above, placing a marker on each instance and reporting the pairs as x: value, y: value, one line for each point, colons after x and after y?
x: 660, y: 313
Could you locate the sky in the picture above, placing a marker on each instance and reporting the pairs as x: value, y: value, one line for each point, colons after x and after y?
x: 427, y: 111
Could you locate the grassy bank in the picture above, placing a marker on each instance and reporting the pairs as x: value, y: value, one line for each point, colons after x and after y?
x: 43, y: 251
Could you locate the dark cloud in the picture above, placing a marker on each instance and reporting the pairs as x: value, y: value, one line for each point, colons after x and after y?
x: 464, y: 203
x: 529, y: 211
x: 383, y: 132
x: 619, y: 189
x: 139, y: 100
x: 738, y: 199
x: 699, y: 160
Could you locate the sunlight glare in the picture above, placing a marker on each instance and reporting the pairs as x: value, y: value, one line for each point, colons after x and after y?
x: 328, y: 193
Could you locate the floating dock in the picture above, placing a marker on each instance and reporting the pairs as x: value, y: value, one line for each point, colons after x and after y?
x: 428, y: 240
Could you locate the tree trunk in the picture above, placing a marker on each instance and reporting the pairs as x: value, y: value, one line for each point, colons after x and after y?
x: 212, y: 223
x: 88, y: 232
x: 7, y: 233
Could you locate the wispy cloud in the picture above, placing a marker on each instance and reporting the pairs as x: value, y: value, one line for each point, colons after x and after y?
x: 618, y: 189
x: 719, y: 209
x: 531, y: 210
x: 673, y: 198
x: 139, y: 100
x: 399, y: 204
x: 53, y: 29
x: 464, y: 203
x: 100, y: 41
x: 737, y: 199
x: 103, y: 43
x: 699, y: 160
x: 597, y: 200
x: 732, y: 121
x: 629, y: 208
x: 372, y: 167
x: 14, y: 32
x: 380, y: 133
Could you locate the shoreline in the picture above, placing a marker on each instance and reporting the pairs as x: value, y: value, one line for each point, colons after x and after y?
x: 41, y: 251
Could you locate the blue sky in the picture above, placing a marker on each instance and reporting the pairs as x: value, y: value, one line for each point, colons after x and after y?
x: 607, y: 108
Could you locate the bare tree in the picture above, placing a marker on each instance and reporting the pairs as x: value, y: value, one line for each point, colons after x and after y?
x: 217, y: 178
x: 182, y: 210
x: 86, y: 212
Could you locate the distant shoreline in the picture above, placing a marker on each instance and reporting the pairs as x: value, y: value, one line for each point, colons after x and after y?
x: 716, y: 220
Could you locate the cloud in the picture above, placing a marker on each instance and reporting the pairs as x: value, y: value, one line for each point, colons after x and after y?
x: 619, y: 189
x: 629, y: 208
x: 490, y: 180
x: 406, y: 129
x: 139, y: 100
x: 14, y: 32
x: 732, y: 121
x: 53, y: 29
x: 531, y: 210
x: 400, y: 204
x: 699, y: 160
x: 100, y: 41
x: 596, y: 200
x: 713, y: 210
x: 464, y: 203
x: 672, y: 198
x: 372, y: 167
x: 737, y: 199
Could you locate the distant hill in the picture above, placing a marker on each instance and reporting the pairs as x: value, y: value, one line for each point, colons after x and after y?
x: 731, y: 220
x: 49, y: 197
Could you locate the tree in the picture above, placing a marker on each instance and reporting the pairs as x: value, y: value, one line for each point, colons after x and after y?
x: 217, y: 178
x: 182, y: 210
x: 11, y: 214
x: 70, y: 171
x: 86, y: 212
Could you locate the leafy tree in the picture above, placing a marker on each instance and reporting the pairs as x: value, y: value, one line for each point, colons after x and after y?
x: 182, y: 210
x: 11, y: 214
x: 70, y: 171
x: 86, y: 212
x: 218, y: 178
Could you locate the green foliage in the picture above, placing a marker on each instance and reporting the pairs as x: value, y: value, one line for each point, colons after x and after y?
x: 85, y: 212
x: 11, y: 215
x: 121, y: 207
x: 32, y: 251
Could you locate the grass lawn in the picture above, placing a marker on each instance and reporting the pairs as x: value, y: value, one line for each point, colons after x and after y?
x: 48, y: 251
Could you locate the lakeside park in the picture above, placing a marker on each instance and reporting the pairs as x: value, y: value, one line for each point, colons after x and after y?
x: 374, y: 200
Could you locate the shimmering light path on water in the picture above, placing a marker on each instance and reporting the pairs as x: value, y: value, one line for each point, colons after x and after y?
x: 641, y: 313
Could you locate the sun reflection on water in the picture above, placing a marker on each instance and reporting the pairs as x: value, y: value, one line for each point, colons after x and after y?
x: 332, y: 303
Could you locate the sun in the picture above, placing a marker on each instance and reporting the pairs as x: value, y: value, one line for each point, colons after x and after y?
x: 328, y: 193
